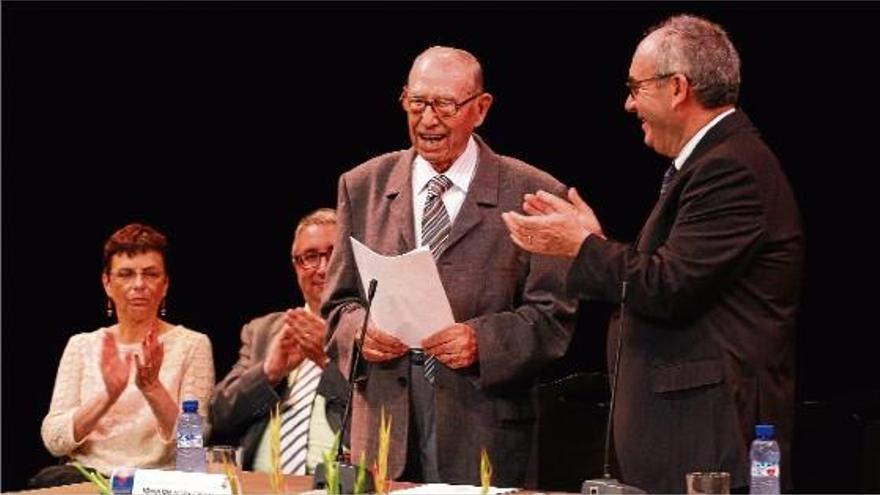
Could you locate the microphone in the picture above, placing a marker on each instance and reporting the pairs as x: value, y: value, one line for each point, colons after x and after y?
x: 607, y: 484
x: 347, y: 470
x: 354, y: 371
x: 355, y: 374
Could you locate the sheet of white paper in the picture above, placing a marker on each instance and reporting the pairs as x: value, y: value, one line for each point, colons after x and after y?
x: 410, y: 302
x: 444, y: 489
x: 156, y: 481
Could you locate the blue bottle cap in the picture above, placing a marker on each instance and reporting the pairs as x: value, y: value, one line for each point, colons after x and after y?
x: 764, y: 432
x: 122, y: 480
x: 190, y: 406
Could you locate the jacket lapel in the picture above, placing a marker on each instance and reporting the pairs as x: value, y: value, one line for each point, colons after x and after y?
x: 736, y: 122
x: 398, y: 194
x: 482, y: 193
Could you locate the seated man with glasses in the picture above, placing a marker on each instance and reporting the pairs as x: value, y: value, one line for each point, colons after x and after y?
x: 470, y: 385
x: 282, y: 362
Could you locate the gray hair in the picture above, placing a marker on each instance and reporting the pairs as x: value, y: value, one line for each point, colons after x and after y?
x: 702, y: 51
x: 321, y: 216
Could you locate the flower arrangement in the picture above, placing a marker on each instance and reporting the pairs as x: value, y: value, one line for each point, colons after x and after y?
x: 231, y: 476
x: 380, y: 466
x: 361, y: 479
x: 96, y: 478
x: 276, y: 477
x: 485, y: 472
x: 331, y: 467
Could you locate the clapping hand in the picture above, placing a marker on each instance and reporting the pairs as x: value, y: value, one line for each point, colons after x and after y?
x: 308, y: 331
x: 552, y: 225
x: 114, y: 370
x: 544, y: 203
x: 147, y: 375
x: 283, y: 356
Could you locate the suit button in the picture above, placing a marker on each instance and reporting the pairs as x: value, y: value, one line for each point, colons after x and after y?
x: 401, y: 380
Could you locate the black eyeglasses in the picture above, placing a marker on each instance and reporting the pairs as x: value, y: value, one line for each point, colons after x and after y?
x: 635, y: 85
x: 312, y: 259
x: 444, y: 107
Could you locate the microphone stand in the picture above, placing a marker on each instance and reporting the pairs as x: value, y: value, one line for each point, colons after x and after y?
x: 348, y: 471
x: 607, y: 484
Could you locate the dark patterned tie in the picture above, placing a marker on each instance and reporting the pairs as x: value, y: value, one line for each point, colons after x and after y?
x: 667, y: 178
x: 435, y: 231
x: 435, y: 218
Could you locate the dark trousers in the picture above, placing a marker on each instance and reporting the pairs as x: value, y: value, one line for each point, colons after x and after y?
x: 421, y: 448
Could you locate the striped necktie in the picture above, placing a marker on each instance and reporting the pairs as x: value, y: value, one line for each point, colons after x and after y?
x: 295, y: 418
x: 667, y: 178
x: 435, y: 231
x: 435, y: 219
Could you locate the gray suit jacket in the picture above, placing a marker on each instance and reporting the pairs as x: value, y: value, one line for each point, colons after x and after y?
x: 713, y: 285
x: 242, y: 401
x: 513, y: 300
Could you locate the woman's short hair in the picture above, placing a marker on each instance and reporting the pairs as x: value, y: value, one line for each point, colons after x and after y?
x: 134, y: 239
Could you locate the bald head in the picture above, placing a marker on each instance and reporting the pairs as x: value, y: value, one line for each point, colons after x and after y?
x: 448, y: 59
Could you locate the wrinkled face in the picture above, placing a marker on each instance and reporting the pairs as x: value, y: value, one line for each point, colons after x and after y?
x: 136, y: 285
x: 442, y: 139
x: 311, y: 254
x: 651, y: 101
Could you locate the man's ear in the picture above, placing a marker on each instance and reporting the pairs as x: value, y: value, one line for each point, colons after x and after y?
x: 484, y: 102
x: 681, y: 89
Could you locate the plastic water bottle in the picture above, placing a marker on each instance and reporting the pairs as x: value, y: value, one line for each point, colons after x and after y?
x: 765, y: 456
x: 190, y: 439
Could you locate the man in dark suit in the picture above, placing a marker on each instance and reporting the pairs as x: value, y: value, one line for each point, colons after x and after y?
x: 276, y: 350
x: 510, y: 312
x: 713, y: 281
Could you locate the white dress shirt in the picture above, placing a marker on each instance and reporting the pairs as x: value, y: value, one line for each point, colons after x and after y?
x: 460, y: 173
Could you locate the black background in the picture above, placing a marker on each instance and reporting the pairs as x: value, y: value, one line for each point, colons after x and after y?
x: 222, y: 123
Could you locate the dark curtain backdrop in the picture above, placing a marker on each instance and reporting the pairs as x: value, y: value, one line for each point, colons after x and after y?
x: 223, y: 123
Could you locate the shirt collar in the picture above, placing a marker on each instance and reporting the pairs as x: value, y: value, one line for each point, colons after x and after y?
x: 695, y: 140
x: 460, y: 173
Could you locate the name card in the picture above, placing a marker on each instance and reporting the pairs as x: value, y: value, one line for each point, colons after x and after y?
x: 158, y: 482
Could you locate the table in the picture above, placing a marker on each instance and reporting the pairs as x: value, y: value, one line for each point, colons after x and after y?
x: 251, y: 483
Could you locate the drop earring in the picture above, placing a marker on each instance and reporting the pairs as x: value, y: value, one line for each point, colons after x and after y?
x: 109, y: 309
x: 162, y: 310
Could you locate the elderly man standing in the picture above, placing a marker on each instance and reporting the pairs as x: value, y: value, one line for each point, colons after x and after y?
x: 710, y: 287
x: 471, y: 385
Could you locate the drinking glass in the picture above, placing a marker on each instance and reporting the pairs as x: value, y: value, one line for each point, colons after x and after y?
x: 224, y: 459
x: 709, y: 482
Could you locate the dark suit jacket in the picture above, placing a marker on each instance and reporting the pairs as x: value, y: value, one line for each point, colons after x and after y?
x: 513, y: 300
x: 241, y: 403
x: 713, y: 285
